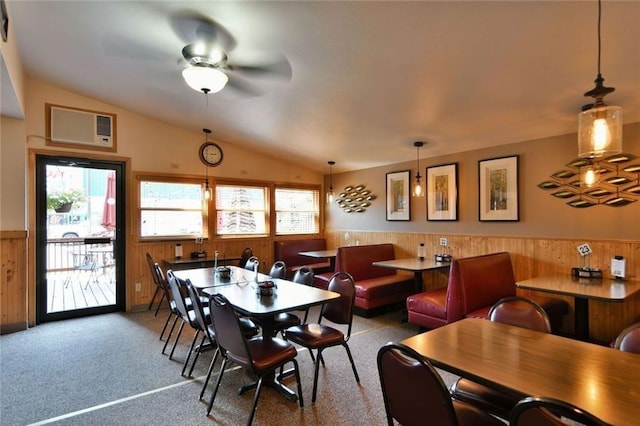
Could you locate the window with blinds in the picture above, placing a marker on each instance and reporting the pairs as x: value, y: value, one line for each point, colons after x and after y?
x: 297, y: 211
x: 241, y: 210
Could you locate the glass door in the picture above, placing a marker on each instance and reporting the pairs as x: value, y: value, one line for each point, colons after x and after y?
x: 79, y: 235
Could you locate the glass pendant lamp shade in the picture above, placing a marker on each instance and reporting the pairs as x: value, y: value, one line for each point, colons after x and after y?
x: 330, y: 194
x: 418, y: 190
x: 600, y: 131
x: 205, y: 79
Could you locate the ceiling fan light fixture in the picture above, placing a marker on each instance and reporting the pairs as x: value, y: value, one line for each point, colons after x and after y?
x: 205, y: 79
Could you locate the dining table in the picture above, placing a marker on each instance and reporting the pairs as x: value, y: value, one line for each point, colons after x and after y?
x: 599, y: 379
x: 582, y: 290
x: 415, y: 265
x: 244, y: 295
x: 323, y: 254
x: 188, y: 262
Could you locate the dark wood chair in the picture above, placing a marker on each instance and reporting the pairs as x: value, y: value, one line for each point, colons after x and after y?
x: 550, y: 412
x: 629, y: 339
x: 260, y: 355
x: 246, y: 254
x: 304, y: 275
x: 414, y: 393
x: 513, y: 310
x: 160, y: 286
x: 320, y: 336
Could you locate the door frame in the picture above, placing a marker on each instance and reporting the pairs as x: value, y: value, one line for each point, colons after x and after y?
x: 38, y: 216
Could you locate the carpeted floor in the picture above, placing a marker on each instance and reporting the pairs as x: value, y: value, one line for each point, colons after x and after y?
x: 109, y: 370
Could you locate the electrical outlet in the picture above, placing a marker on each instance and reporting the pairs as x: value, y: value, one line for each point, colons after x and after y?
x: 443, y: 242
x: 138, y: 287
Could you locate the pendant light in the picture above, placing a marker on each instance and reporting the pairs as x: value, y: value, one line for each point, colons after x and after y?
x: 206, y: 193
x: 418, y: 190
x: 599, y: 125
x: 330, y: 194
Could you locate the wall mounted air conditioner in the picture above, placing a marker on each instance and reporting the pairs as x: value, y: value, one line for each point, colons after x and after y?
x: 70, y: 126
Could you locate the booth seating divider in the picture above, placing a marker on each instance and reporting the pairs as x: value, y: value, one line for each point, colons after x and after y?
x: 376, y: 287
x: 287, y: 251
x: 475, y: 284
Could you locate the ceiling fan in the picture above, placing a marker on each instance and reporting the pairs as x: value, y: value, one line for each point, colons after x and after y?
x: 208, y: 68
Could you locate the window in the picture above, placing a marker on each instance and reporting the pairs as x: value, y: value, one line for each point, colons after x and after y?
x: 241, y: 210
x: 171, y: 207
x: 297, y: 211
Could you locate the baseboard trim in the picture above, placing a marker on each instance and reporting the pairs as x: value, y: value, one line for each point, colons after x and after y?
x: 12, y: 328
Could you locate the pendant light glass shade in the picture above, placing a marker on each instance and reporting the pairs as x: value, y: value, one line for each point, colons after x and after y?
x: 599, y: 125
x: 330, y: 194
x: 600, y: 132
x: 589, y: 175
x: 418, y: 189
x: 205, y: 79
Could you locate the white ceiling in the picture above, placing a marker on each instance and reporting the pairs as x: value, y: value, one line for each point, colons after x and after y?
x: 369, y: 78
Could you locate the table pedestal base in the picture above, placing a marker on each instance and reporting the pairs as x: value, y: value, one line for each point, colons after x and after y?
x: 271, y: 381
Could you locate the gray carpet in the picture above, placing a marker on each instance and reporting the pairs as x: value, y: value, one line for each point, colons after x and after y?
x: 108, y: 370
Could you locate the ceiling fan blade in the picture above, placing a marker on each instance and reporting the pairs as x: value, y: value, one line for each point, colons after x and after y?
x: 192, y: 26
x: 242, y: 87
x: 279, y: 68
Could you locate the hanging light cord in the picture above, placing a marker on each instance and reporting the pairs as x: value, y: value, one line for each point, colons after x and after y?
x: 599, y: 37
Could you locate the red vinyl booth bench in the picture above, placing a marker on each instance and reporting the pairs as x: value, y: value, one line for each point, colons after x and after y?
x: 475, y: 284
x: 376, y: 288
x: 287, y: 251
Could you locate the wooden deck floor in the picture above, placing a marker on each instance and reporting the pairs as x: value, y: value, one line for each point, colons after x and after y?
x: 79, y: 289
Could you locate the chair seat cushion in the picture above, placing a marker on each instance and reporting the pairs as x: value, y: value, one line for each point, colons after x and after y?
x: 314, y: 335
x: 374, y: 288
x: 267, y: 353
x: 467, y: 414
x: 431, y: 303
x: 282, y: 321
x: 488, y: 399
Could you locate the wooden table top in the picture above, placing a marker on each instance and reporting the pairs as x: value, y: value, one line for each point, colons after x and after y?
x: 412, y: 264
x: 599, y: 379
x: 602, y: 289
x: 288, y: 296
x: 320, y: 253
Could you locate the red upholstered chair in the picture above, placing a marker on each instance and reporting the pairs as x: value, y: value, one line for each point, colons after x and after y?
x: 414, y: 393
x: 259, y: 355
x: 246, y: 254
x: 516, y: 311
x: 629, y: 339
x: 550, y: 412
x: 320, y: 336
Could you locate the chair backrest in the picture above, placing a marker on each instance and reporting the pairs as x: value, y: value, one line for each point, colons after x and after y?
x: 340, y: 310
x: 151, y: 264
x: 229, y: 334
x: 304, y: 275
x: 413, y: 391
x: 174, y: 287
x: 278, y: 270
x: 246, y: 254
x: 198, y: 309
x: 251, y: 263
x: 521, y: 312
x: 629, y: 339
x: 548, y: 412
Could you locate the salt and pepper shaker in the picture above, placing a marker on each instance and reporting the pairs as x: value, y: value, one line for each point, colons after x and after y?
x: 421, y: 251
x: 178, y: 251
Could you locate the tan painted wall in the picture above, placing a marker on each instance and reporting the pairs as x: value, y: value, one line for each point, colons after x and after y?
x: 540, y: 213
x: 12, y: 175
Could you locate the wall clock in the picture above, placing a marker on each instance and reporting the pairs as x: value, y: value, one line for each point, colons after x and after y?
x: 211, y: 154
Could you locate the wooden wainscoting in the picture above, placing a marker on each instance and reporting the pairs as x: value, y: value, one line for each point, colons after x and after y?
x: 13, y: 281
x: 532, y: 257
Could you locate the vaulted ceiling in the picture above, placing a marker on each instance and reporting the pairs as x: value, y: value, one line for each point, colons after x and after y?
x: 367, y: 78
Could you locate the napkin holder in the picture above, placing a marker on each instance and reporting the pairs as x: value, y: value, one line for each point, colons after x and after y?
x: 586, y: 272
x: 224, y: 273
x: 266, y: 288
x: 442, y: 258
x: 198, y: 254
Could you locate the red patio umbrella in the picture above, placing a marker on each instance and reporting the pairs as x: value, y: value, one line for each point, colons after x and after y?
x: 109, y: 209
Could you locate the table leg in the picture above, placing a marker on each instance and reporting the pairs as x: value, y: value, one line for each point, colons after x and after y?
x: 417, y: 281
x: 581, y: 318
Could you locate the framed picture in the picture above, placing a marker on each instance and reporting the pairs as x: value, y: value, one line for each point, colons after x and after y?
x: 398, y: 196
x: 498, y: 189
x: 442, y: 192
